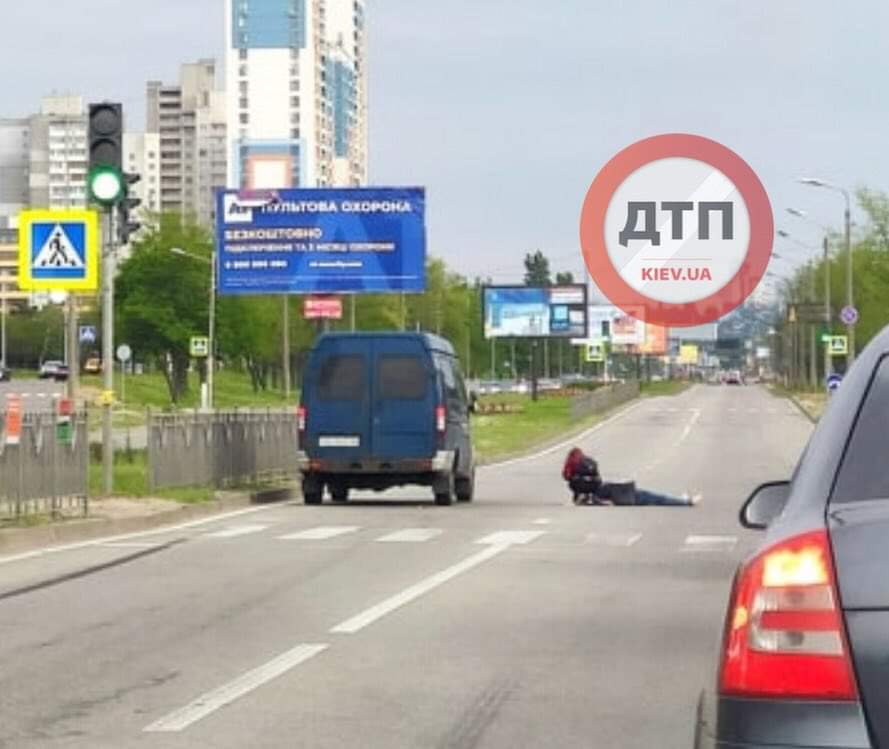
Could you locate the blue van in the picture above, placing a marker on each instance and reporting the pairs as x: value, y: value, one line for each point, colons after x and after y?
x: 384, y: 409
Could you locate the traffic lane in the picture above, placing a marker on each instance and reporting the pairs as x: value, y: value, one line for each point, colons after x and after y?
x: 547, y: 645
x: 101, y: 652
x: 36, y: 395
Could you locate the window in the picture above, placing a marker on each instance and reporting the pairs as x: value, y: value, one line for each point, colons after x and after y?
x: 294, y: 134
x: 244, y: 103
x: 343, y: 377
x: 294, y: 101
x: 244, y: 118
x: 402, y: 378
x: 863, y: 473
x: 242, y: 70
x: 294, y: 85
x: 242, y: 54
x: 243, y: 87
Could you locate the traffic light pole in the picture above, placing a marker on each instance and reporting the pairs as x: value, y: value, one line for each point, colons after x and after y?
x: 108, y: 354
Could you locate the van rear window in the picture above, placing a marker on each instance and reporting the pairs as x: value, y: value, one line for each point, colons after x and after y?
x: 343, y: 378
x: 402, y: 377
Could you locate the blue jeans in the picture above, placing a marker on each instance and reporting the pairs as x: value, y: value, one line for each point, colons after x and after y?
x: 644, y: 497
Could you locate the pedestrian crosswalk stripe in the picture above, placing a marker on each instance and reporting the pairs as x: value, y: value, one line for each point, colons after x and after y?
x: 237, y: 530
x: 321, y: 533
x: 709, y: 543
x: 411, y: 535
x: 510, y: 538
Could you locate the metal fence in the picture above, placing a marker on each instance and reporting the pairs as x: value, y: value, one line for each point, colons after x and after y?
x: 603, y: 399
x: 47, y: 472
x: 221, y: 448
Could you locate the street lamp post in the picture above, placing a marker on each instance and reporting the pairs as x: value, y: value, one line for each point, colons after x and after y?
x: 850, y: 328
x: 3, y: 313
x: 211, y: 333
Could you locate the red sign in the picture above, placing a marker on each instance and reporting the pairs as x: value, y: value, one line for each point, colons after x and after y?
x: 318, y: 308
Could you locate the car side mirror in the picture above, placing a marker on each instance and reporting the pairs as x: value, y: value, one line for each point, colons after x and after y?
x: 764, y: 505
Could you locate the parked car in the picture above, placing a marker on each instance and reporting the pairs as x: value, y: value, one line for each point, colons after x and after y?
x: 5, y: 374
x: 93, y: 365
x: 804, y: 660
x: 384, y: 409
x: 53, y: 370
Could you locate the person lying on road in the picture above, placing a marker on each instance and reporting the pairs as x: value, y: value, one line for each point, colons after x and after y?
x: 587, y: 487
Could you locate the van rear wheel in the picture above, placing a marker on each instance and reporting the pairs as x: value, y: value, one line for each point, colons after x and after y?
x: 465, y: 487
x: 444, y: 489
x: 339, y: 493
x: 313, y: 491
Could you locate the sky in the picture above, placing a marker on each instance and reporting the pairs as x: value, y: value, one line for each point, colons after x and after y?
x: 505, y: 110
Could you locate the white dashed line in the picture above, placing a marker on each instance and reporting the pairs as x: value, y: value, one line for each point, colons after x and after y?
x: 211, y: 701
x: 411, y: 536
x: 542, y: 521
x: 709, y: 543
x: 237, y: 530
x: 614, y: 539
x: 322, y: 533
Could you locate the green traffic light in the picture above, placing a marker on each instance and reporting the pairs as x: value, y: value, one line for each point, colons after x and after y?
x: 106, y: 185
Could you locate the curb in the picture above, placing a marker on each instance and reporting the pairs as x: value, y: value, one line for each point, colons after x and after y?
x: 805, y: 411
x: 24, y: 539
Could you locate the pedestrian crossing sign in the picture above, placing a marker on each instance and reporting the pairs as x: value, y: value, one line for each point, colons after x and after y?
x: 58, y: 250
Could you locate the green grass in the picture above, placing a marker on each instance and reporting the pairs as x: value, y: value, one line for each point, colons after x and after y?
x: 664, y: 387
x: 131, y: 480
x: 232, y: 390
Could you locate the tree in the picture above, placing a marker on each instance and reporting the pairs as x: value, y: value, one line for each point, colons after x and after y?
x: 249, y: 333
x: 564, y: 279
x: 537, y: 271
x: 161, y: 299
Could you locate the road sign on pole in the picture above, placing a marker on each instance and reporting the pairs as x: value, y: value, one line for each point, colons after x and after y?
x: 199, y: 347
x: 849, y: 315
x: 124, y: 353
x: 839, y: 345
x: 87, y: 334
x: 58, y: 250
x: 833, y: 382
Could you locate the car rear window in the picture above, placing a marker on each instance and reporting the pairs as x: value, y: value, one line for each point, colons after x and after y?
x: 343, y: 377
x: 402, y: 377
x: 864, y: 472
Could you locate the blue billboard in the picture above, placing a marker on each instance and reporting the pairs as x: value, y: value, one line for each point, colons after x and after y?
x: 315, y: 241
x: 535, y: 312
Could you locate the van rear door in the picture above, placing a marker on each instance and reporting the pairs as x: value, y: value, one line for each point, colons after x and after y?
x: 339, y: 401
x: 405, y: 394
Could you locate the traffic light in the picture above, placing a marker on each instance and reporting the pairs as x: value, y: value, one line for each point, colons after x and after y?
x: 127, y: 225
x: 105, y: 141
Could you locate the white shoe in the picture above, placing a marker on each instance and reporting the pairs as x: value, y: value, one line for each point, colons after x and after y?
x: 696, y: 500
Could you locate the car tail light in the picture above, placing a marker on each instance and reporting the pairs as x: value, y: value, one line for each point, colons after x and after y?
x: 302, y: 414
x: 784, y: 634
x: 441, y: 419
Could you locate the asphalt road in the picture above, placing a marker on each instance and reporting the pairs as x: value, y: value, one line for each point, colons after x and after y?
x: 37, y: 395
x: 517, y: 621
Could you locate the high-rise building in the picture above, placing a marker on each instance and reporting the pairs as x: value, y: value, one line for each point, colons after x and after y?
x: 15, y: 156
x: 58, y: 160
x: 188, y: 120
x: 141, y: 155
x: 296, y: 79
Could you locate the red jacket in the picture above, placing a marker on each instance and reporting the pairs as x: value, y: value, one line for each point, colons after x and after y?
x: 572, y: 463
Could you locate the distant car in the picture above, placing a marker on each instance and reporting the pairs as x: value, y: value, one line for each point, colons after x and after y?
x: 734, y: 378
x: 804, y: 660
x: 93, y: 365
x: 53, y: 370
x: 5, y: 374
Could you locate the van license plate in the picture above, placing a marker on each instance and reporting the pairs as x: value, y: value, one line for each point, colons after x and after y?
x: 339, y: 441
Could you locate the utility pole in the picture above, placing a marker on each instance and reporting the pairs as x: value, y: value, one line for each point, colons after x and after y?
x: 828, y: 363
x: 3, y: 312
x: 108, y: 354
x: 211, y: 353
x: 352, y: 311
x: 73, y: 382
x: 850, y: 329
x: 285, y: 356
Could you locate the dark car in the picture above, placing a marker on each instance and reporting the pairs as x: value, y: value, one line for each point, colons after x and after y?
x: 384, y: 409
x: 805, y: 654
x: 5, y: 374
x: 53, y: 370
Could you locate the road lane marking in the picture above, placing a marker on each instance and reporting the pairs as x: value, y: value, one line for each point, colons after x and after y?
x: 377, y: 612
x: 511, y: 538
x: 321, y: 533
x: 614, y: 539
x: 237, y: 530
x: 139, y: 534
x: 542, y: 521
x: 411, y: 536
x: 733, y: 410
x: 210, y: 702
x: 709, y: 543
x: 696, y: 414
x: 132, y: 545
x: 572, y: 441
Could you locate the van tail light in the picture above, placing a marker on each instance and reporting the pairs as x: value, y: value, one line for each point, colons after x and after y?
x: 441, y: 419
x: 302, y: 414
x: 784, y: 634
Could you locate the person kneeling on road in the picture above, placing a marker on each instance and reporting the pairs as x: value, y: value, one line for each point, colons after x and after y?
x: 586, y: 484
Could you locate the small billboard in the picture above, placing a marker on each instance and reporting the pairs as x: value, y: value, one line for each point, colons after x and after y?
x: 322, y: 308
x: 535, y: 311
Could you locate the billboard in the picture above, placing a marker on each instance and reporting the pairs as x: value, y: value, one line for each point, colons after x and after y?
x: 535, y: 312
x: 322, y: 308
x: 655, y: 343
x: 321, y: 241
x: 627, y: 330
x: 688, y: 354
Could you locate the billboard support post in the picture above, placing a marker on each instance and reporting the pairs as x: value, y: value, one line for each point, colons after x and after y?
x: 285, y: 356
x: 534, y: 348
